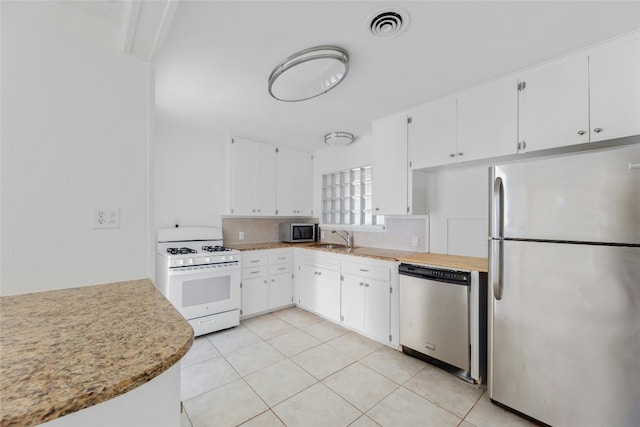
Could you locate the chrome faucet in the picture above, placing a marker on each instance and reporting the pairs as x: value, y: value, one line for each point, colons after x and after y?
x: 346, y: 238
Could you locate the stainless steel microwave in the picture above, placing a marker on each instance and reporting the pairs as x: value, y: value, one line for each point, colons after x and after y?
x: 296, y: 232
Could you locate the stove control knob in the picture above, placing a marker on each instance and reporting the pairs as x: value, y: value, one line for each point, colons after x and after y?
x: 180, y: 262
x: 190, y: 261
x: 207, y: 260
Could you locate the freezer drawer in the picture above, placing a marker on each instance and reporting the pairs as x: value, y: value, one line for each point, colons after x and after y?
x: 434, y: 319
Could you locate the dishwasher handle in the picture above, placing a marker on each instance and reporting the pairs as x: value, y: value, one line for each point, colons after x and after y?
x: 455, y: 277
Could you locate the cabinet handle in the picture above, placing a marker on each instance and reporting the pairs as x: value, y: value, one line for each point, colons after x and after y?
x: 254, y: 272
x: 366, y: 285
x: 265, y: 282
x: 598, y: 130
x: 319, y: 273
x: 273, y: 281
x: 524, y: 145
x: 253, y: 210
x: 460, y: 154
x: 254, y: 261
x: 581, y: 132
x: 452, y: 155
x: 364, y: 269
x: 282, y: 268
x: 377, y: 209
x: 361, y: 283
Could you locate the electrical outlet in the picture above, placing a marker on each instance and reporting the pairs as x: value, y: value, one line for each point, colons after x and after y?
x: 414, y: 241
x: 105, y: 218
x: 241, y: 235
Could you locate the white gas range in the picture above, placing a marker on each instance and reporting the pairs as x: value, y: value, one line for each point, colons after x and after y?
x: 199, y: 276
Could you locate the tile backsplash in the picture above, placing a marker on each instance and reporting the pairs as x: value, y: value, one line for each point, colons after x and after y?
x: 409, y: 233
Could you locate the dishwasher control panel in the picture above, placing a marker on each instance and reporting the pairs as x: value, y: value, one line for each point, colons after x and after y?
x: 439, y: 274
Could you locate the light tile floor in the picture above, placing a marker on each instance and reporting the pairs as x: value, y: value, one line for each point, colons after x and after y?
x: 292, y: 368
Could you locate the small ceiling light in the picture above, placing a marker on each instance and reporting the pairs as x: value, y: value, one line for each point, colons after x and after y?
x: 338, y: 138
x: 308, y: 73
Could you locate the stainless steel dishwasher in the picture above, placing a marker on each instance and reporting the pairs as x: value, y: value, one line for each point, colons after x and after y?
x: 435, y: 315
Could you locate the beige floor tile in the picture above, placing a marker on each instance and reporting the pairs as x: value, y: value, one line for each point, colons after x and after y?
x: 279, y: 382
x: 445, y: 390
x: 325, y: 330
x: 202, y: 349
x: 466, y: 424
x: 406, y: 409
x: 265, y: 419
x: 298, y: 317
x: 229, y: 405
x: 257, y: 319
x: 360, y: 386
x: 251, y: 359
x: 393, y: 364
x: 204, y: 376
x: 270, y: 328
x: 364, y: 421
x: 316, y: 406
x: 293, y: 342
x: 355, y: 345
x: 486, y: 414
x: 184, y: 420
x: 233, y: 339
x: 322, y: 361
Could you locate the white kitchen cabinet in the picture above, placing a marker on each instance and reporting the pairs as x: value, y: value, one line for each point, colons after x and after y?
x: 390, y: 165
x: 317, y: 283
x: 432, y: 134
x: 267, y: 280
x: 614, y: 84
x: 554, y: 104
x: 488, y: 120
x: 366, y: 303
x: 253, y: 178
x: 294, y: 183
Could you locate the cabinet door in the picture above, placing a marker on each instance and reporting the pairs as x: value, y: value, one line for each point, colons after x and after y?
x: 432, y: 134
x: 488, y: 120
x: 295, y: 183
x: 255, y: 295
x: 243, y: 177
x: 327, y: 291
x: 280, y: 290
x: 554, y: 105
x: 265, y: 181
x: 390, y: 165
x: 353, y: 302
x: 376, y: 309
x: 305, y: 287
x: 614, y: 74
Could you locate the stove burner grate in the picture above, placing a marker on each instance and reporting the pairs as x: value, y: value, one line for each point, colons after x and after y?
x: 183, y: 250
x: 215, y: 248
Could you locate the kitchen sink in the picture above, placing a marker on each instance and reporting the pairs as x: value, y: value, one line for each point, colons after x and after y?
x: 334, y: 246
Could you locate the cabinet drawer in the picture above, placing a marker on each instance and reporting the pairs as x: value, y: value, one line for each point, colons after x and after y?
x: 280, y: 268
x: 249, y: 261
x: 250, y: 272
x: 280, y: 258
x: 366, y: 270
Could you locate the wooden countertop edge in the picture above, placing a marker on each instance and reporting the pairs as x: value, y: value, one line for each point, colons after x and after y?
x: 434, y: 259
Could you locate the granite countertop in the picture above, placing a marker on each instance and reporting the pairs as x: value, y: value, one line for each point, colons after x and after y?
x: 69, y: 349
x: 439, y: 260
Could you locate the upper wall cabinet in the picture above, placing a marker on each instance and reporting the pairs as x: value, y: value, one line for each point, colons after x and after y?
x: 432, y: 134
x: 295, y: 182
x: 614, y: 77
x: 390, y: 165
x: 253, y: 178
x: 488, y: 120
x: 554, y: 105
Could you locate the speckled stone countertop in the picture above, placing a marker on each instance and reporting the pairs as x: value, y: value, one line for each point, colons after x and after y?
x: 69, y: 349
x: 438, y: 260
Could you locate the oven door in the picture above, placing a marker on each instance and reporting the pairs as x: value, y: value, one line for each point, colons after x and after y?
x: 198, y: 293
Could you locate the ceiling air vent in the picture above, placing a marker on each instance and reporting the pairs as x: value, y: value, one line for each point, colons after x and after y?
x: 388, y: 23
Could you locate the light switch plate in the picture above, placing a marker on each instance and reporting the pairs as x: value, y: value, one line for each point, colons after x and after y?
x: 105, y: 218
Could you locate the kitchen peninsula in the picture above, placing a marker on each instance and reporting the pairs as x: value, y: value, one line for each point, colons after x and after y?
x: 66, y: 350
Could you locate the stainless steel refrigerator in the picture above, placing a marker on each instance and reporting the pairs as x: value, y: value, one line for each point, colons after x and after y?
x: 565, y: 277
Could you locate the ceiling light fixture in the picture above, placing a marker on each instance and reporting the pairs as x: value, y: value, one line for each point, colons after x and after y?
x: 308, y: 73
x: 338, y: 138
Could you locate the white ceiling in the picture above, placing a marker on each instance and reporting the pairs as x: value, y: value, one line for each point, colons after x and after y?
x: 212, y: 68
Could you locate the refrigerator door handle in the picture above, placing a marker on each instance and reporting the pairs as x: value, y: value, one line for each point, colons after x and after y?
x: 497, y: 208
x: 497, y: 263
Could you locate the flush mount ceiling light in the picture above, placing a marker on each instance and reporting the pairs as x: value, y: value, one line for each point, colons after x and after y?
x: 338, y: 138
x: 387, y: 23
x: 308, y: 73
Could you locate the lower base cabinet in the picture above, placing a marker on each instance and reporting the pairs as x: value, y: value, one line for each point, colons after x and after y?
x: 317, y: 283
x: 267, y: 281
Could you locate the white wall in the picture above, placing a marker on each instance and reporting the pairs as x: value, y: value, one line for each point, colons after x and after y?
x: 191, y: 177
x: 75, y: 135
x: 457, y: 204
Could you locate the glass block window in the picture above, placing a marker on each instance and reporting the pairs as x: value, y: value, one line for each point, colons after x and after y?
x: 347, y: 197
